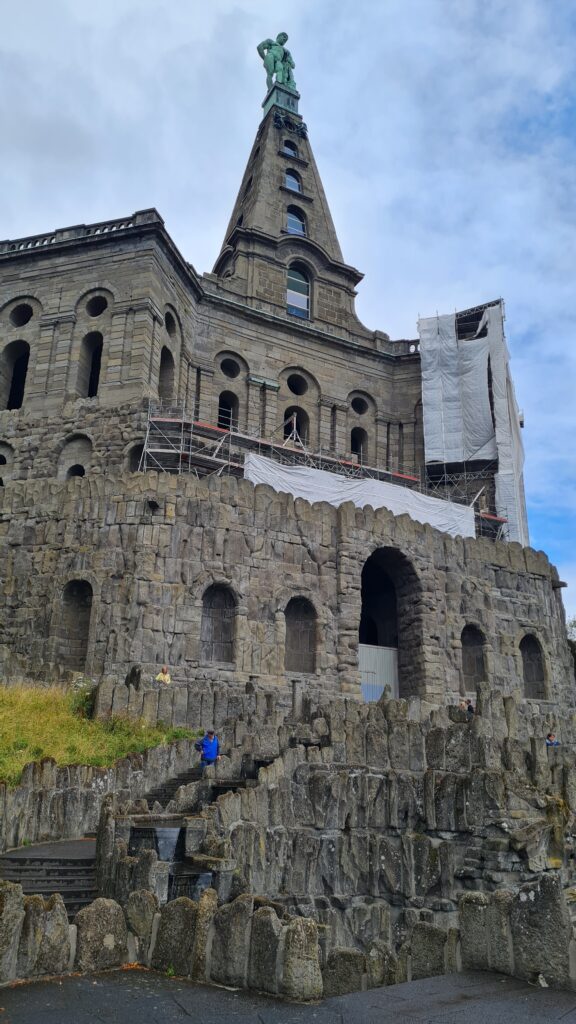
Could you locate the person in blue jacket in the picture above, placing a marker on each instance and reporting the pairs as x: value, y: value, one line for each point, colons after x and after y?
x: 209, y: 747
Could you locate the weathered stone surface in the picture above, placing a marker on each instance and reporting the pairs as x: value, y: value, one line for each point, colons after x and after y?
x: 264, y: 942
x: 11, y: 921
x: 140, y: 910
x: 427, y: 945
x: 541, y: 930
x: 381, y: 965
x: 44, y: 946
x: 175, y: 939
x: 344, y: 971
x: 301, y: 977
x: 101, y: 936
x: 231, y: 942
x: 207, y: 906
x: 473, y: 909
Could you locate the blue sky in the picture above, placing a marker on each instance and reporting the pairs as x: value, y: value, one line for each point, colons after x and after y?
x: 444, y: 131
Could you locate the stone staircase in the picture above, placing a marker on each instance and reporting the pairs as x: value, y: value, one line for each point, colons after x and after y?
x: 67, y: 867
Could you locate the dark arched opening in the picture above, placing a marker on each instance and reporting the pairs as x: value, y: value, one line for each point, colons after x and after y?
x: 296, y: 425
x: 74, y: 625
x: 473, y: 657
x: 90, y: 363
x: 13, y: 371
x: 166, y: 376
x: 228, y: 411
x: 390, y: 635
x: 218, y: 624
x: 359, y: 443
x: 76, y: 470
x: 135, y: 457
x: 300, y: 646
x: 533, y: 668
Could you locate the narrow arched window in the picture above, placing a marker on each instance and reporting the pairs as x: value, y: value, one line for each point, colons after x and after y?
x: 75, y: 457
x: 359, y: 443
x: 473, y: 659
x: 292, y: 181
x: 90, y: 364
x: 533, y: 668
x: 295, y: 221
x: 296, y: 425
x: 300, y: 636
x: 298, y: 292
x: 228, y: 411
x: 166, y: 375
x: 72, y: 627
x: 289, y: 148
x: 13, y: 371
x: 218, y: 624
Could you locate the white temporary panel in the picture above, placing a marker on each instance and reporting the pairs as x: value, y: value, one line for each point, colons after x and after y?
x: 320, y: 485
x: 378, y: 668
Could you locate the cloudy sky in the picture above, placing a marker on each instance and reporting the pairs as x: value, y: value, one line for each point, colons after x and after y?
x: 444, y: 131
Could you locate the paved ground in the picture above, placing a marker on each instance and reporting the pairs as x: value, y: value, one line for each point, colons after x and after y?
x: 76, y: 849
x: 139, y: 997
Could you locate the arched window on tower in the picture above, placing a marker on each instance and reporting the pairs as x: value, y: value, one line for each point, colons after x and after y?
x: 296, y: 425
x: 533, y: 668
x: 166, y: 375
x: 359, y: 443
x: 90, y: 363
x: 13, y: 371
x: 218, y: 624
x: 289, y: 148
x: 473, y: 659
x: 292, y: 181
x: 295, y: 221
x: 228, y: 411
x: 300, y: 647
x: 298, y: 292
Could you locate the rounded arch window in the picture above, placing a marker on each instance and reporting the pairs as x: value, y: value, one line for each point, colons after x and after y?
x: 90, y: 364
x: 292, y: 181
x: 170, y: 323
x: 76, y: 470
x: 228, y: 407
x: 533, y: 668
x: 13, y: 372
x: 359, y: 405
x: 289, y: 148
x: 96, y: 305
x: 300, y: 616
x: 218, y: 624
x: 230, y: 368
x: 297, y: 384
x: 298, y: 292
x: 75, y: 457
x: 135, y: 457
x: 21, y: 314
x: 295, y: 221
x: 240, y: 221
x: 359, y: 443
x: 296, y: 425
x: 473, y: 657
x: 166, y: 375
x: 248, y: 186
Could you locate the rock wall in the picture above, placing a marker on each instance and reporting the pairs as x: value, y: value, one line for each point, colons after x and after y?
x: 148, y: 547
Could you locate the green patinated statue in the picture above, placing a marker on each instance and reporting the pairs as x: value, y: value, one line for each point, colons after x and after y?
x: 277, y: 61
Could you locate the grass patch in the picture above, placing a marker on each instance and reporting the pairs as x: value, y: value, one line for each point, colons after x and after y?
x: 37, y: 722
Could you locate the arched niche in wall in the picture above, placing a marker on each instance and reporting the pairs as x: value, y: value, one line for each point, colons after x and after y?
x: 473, y: 657
x: 390, y: 633
x: 21, y: 313
x: 296, y: 425
x: 301, y: 629
x: 228, y: 410
x: 89, y: 364
x: 75, y: 457
x: 6, y: 462
x: 72, y: 626
x: 14, y: 360
x: 218, y: 626
x: 361, y: 417
x: 166, y: 375
x: 533, y: 669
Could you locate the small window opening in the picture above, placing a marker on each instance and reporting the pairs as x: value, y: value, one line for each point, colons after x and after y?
x: 153, y: 506
x: 289, y: 148
x: 297, y: 384
x: 96, y: 305
x: 76, y: 470
x: 292, y: 181
x: 359, y: 443
x: 170, y: 324
x: 295, y: 221
x: 228, y: 411
x: 296, y: 425
x: 134, y: 457
x: 230, y: 368
x: 360, y: 405
x: 21, y: 314
x: 166, y: 375
x: 300, y: 616
x: 13, y: 372
x: 298, y: 292
x: 218, y: 625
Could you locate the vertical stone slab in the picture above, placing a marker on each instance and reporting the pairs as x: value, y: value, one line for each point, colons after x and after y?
x: 165, y: 704
x: 541, y: 931
x: 150, y: 707
x: 301, y: 977
x: 264, y: 942
x: 500, y: 947
x: 427, y: 947
x: 11, y: 921
x: 175, y: 939
x: 207, y: 906
x: 473, y: 931
x: 231, y: 942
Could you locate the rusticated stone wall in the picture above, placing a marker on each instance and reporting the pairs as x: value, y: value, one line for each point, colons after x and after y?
x: 151, y: 545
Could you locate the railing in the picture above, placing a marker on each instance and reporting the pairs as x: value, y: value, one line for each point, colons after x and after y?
x: 105, y: 227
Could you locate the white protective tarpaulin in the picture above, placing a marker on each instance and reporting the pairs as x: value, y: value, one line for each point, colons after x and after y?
x: 459, y: 423
x: 320, y: 485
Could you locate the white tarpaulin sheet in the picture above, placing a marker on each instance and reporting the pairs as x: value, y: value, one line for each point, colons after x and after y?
x: 320, y: 485
x: 459, y: 423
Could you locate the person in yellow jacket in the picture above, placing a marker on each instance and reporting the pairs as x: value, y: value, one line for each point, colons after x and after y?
x: 164, y: 676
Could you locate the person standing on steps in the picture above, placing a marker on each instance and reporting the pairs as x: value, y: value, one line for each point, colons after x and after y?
x: 209, y: 747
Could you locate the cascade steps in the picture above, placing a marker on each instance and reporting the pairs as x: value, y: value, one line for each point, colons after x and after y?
x: 66, y: 866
